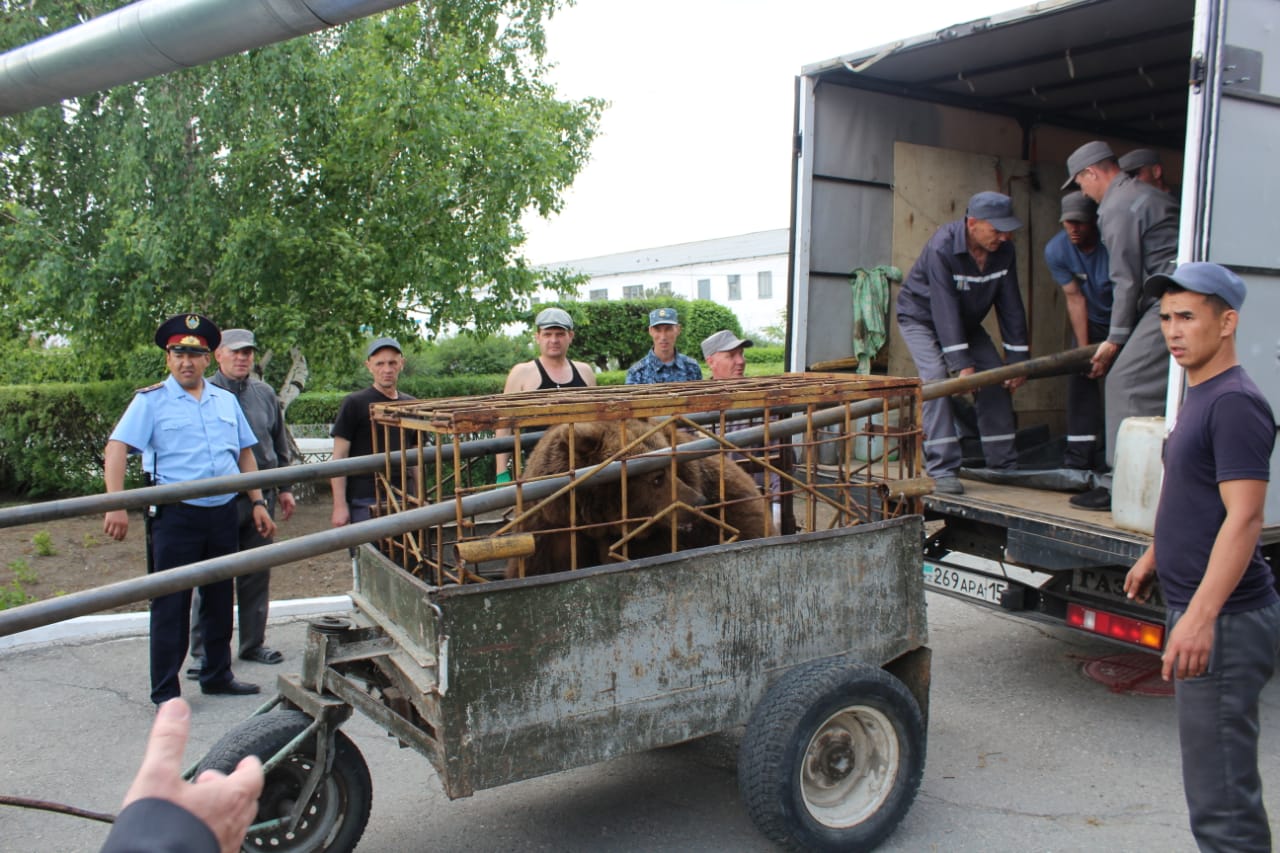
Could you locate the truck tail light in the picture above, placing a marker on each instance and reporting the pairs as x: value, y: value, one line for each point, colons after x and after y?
x: 1126, y: 628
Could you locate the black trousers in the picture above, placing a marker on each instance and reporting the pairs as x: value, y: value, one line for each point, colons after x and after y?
x: 253, y: 592
x: 180, y: 535
x: 1086, y: 429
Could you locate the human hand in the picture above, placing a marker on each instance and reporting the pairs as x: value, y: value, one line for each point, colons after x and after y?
x: 1186, y: 652
x: 262, y: 522
x: 1137, y: 583
x: 116, y: 524
x: 1102, y: 358
x: 287, y: 504
x: 225, y: 804
x: 1014, y: 384
x: 341, y: 515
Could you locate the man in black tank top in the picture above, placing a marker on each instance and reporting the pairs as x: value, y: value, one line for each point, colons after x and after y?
x: 551, y: 369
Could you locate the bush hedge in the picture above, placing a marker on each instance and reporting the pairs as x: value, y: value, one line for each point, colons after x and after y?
x: 614, y: 334
x: 52, y: 436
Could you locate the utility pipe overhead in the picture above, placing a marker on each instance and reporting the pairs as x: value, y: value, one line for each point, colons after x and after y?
x: 153, y: 37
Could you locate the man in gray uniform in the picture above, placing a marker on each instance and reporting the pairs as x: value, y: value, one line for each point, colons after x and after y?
x: 966, y: 268
x: 1139, y: 227
x: 235, y: 356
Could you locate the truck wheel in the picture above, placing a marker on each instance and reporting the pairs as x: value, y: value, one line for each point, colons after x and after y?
x: 832, y: 757
x: 335, y: 817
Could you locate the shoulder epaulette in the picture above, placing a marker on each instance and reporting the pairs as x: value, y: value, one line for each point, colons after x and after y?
x: 149, y: 388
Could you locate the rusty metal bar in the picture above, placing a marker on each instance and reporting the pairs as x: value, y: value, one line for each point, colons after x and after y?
x: 46, y: 612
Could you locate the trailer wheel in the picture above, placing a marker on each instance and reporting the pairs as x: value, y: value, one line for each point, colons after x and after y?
x: 832, y: 757
x: 335, y: 817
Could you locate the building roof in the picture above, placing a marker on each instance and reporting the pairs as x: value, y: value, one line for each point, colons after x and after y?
x: 738, y: 247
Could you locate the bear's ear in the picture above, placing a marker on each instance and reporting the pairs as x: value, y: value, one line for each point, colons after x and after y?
x: 588, y: 443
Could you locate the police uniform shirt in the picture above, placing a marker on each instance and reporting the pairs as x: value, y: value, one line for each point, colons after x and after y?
x: 651, y: 370
x: 183, y: 438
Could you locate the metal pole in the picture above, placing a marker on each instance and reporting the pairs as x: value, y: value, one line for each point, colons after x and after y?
x: 46, y: 612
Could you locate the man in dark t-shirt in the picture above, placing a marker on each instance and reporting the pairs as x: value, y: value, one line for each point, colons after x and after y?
x: 1223, y: 610
x: 353, y: 497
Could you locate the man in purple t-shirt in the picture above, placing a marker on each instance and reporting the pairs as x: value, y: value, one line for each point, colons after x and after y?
x: 1223, y: 610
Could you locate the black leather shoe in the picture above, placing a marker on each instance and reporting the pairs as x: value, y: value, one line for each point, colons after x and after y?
x: 262, y: 654
x: 193, y: 671
x: 1096, y: 499
x: 230, y: 688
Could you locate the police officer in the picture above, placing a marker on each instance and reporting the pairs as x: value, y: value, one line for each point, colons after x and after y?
x: 187, y: 429
x: 663, y: 363
x: 261, y: 407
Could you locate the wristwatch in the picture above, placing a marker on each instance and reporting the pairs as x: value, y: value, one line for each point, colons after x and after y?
x: 262, y: 502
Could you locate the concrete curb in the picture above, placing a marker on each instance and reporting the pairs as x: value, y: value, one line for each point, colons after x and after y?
x: 134, y: 624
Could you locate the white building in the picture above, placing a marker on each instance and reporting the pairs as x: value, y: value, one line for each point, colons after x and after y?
x: 746, y: 273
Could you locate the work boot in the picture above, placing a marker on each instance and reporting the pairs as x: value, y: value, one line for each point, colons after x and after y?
x: 1095, y: 499
x: 948, y: 486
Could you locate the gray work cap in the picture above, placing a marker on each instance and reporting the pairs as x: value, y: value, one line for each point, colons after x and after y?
x: 383, y: 343
x: 1137, y: 158
x: 996, y: 208
x: 723, y: 341
x: 1084, y: 157
x: 1078, y: 207
x: 553, y: 317
x: 238, y: 339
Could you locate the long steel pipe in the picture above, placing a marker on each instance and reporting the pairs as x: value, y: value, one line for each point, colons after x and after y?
x: 153, y: 37
x: 119, y: 594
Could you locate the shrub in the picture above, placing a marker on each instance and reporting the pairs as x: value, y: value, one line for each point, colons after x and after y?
x: 52, y: 436
x: 615, y: 333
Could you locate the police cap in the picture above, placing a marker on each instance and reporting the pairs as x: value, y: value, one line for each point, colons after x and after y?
x: 189, y: 333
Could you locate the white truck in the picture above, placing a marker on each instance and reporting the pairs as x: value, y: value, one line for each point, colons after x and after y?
x: 890, y: 143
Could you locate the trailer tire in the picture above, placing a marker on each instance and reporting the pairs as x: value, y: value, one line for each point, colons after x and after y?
x: 339, y: 809
x: 832, y: 758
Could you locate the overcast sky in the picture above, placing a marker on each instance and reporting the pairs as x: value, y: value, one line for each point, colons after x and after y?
x: 696, y: 141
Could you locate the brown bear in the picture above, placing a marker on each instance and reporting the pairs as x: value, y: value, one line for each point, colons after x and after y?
x: 744, y: 508
x: 598, y: 508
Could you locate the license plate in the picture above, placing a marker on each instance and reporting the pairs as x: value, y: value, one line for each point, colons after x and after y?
x: 973, y: 585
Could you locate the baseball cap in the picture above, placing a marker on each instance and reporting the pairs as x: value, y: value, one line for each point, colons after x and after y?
x: 1137, y: 158
x: 383, y: 343
x: 664, y: 317
x: 996, y: 208
x: 1078, y: 207
x: 723, y: 341
x: 1084, y: 157
x: 238, y: 339
x: 1200, y: 277
x: 552, y: 317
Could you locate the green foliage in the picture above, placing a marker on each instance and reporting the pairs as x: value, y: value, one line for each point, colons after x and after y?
x: 305, y: 190
x: 320, y: 407
x: 43, y: 542
x: 14, y: 593
x: 52, y: 436
x: 474, y: 355
x: 616, y: 333
x: 757, y: 354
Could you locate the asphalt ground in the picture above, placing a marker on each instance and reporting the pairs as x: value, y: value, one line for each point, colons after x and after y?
x: 1025, y: 753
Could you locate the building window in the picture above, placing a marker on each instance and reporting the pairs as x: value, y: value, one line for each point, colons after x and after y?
x: 664, y: 287
x: 535, y: 300
x: 633, y: 291
x: 600, y: 295
x: 735, y: 288
x: 704, y: 288
x: 764, y: 281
